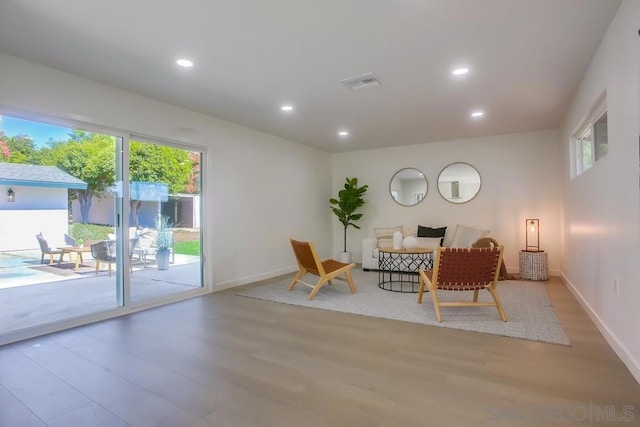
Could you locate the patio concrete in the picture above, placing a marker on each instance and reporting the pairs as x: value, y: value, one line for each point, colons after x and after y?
x: 66, y: 293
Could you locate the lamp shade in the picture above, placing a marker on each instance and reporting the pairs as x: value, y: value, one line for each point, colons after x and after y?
x: 532, y: 235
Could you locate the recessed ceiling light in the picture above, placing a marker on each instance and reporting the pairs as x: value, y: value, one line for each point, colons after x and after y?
x: 287, y: 108
x: 343, y: 133
x: 184, y: 63
x: 477, y: 114
x: 460, y: 71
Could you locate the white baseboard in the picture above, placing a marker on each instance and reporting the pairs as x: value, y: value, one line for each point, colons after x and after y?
x: 513, y: 270
x: 618, y: 347
x: 253, y: 278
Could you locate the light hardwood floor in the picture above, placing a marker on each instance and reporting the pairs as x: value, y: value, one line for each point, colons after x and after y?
x: 226, y: 360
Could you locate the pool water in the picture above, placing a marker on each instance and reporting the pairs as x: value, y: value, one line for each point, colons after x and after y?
x: 15, y: 269
x: 12, y: 260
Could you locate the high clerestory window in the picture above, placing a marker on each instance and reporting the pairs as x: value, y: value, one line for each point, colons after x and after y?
x: 591, y: 141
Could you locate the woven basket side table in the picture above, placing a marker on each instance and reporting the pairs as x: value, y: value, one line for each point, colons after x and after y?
x: 534, y: 265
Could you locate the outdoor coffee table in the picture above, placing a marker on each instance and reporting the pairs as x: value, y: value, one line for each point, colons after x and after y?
x: 78, y: 250
x: 398, y: 268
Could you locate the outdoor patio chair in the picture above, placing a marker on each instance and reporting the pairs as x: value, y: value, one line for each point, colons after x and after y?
x: 308, y: 262
x: 46, y: 249
x: 105, y: 251
x: 463, y: 269
x: 70, y: 241
x: 145, y: 246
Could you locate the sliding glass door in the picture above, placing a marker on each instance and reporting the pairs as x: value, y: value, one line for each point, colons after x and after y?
x: 92, y: 222
x: 164, y: 220
x: 56, y: 261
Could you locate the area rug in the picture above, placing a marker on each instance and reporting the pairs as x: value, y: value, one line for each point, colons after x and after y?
x: 66, y: 269
x: 529, y: 312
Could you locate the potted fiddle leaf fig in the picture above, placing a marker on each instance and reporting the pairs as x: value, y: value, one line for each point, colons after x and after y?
x: 345, y: 206
x: 163, y: 242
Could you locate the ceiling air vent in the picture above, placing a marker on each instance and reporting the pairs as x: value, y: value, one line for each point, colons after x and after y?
x: 364, y: 81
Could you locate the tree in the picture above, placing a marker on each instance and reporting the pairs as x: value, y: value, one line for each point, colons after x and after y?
x: 18, y: 149
x: 91, y: 158
x: 86, y: 156
x: 159, y: 164
x: 5, y: 153
x: 193, y: 186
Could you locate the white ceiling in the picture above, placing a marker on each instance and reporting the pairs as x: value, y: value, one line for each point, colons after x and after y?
x: 526, y: 59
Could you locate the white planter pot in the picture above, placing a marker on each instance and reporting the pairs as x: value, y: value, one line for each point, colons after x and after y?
x: 345, y: 257
x: 162, y: 259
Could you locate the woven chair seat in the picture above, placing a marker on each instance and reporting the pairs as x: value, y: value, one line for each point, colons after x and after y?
x: 332, y: 265
x: 463, y: 269
x: 308, y: 262
x: 462, y: 287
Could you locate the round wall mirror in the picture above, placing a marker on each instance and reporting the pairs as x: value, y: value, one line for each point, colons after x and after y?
x: 459, y: 182
x: 408, y: 186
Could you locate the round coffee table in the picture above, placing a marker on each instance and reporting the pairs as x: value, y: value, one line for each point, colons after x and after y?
x: 398, y: 268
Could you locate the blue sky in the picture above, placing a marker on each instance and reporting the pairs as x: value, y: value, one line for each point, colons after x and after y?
x: 40, y: 132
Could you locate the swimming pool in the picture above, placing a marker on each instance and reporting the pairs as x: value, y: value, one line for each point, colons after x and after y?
x: 15, y: 270
x: 16, y: 259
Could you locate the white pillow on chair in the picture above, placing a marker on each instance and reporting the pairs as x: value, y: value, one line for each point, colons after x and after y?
x: 465, y: 236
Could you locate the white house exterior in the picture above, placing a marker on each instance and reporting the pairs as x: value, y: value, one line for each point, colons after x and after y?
x: 40, y: 205
x: 182, y: 209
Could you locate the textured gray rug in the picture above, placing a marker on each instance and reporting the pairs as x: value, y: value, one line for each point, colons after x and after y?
x: 529, y: 313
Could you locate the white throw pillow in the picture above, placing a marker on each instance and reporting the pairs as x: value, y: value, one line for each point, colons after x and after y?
x: 428, y: 242
x: 385, y: 236
x: 465, y: 236
x: 408, y: 232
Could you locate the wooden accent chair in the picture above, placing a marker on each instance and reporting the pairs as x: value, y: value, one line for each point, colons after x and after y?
x: 46, y: 249
x: 490, y: 242
x: 463, y: 269
x: 308, y: 262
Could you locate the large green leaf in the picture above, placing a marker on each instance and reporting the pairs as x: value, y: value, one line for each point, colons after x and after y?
x: 348, y: 201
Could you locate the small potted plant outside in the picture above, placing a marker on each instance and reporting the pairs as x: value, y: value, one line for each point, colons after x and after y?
x: 348, y: 202
x: 80, y: 243
x: 163, y: 242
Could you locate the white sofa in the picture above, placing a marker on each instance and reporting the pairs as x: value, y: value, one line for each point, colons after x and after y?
x: 461, y: 236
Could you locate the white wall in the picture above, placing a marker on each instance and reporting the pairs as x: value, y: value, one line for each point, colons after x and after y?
x: 520, y: 174
x: 35, y: 210
x: 261, y: 189
x: 18, y: 228
x: 601, y: 227
x: 102, y: 211
x: 27, y: 198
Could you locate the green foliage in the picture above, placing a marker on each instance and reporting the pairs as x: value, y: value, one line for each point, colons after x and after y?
x: 87, y: 232
x: 157, y: 163
x: 348, y: 201
x: 91, y: 157
x: 164, y: 238
x: 187, y: 248
x: 18, y: 149
x: 87, y: 156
